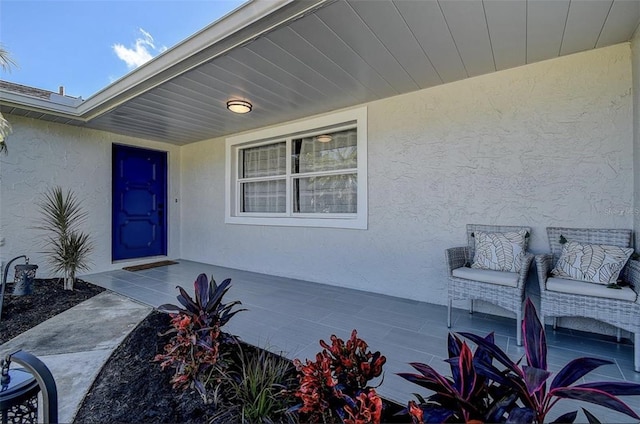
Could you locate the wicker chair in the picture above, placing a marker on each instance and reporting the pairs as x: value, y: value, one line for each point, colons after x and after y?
x: 619, y: 308
x: 504, y: 289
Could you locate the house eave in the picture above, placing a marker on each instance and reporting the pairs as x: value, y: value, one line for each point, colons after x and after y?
x: 218, y: 38
x: 238, y: 27
x: 35, y: 104
x: 295, y: 59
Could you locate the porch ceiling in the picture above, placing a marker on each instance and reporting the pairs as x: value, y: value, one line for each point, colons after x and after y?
x: 307, y: 57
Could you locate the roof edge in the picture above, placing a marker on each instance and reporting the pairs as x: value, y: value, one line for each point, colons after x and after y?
x: 37, y: 104
x: 189, y: 53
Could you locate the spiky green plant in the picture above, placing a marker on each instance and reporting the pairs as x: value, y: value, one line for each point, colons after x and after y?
x: 6, y: 62
x: 5, y: 130
x: 260, y: 385
x: 66, y: 246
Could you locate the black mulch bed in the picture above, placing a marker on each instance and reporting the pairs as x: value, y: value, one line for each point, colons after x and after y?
x: 20, y: 313
x: 132, y: 388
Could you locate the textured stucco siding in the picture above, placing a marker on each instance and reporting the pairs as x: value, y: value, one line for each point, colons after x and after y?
x: 545, y: 144
x: 548, y: 144
x: 43, y: 155
x: 635, y: 65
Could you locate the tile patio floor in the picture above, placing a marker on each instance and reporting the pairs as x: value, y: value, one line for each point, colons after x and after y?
x: 290, y: 316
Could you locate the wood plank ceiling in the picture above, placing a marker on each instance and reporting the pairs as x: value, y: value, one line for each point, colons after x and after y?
x: 349, y: 52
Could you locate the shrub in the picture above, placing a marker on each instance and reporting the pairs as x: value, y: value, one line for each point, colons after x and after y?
x: 193, y: 351
x: 67, y: 247
x: 337, y: 382
x: 479, y: 391
x: 260, y: 384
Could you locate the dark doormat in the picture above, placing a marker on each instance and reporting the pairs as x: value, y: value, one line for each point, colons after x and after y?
x: 148, y: 266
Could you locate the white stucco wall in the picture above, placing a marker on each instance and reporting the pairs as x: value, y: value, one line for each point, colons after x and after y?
x: 540, y: 145
x: 43, y: 155
x: 635, y: 66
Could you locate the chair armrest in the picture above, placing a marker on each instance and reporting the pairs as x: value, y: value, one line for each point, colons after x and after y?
x: 456, y: 257
x: 631, y: 275
x: 524, y: 269
x: 543, y: 265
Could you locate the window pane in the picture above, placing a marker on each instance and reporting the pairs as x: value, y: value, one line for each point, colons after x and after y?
x: 264, y: 196
x: 264, y: 161
x: 326, y: 194
x: 340, y: 152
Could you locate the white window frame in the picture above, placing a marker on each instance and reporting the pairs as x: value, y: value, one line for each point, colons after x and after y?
x: 354, y: 118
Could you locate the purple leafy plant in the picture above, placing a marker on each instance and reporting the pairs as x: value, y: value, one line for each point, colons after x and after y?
x: 194, y: 348
x: 480, y: 391
x: 467, y: 396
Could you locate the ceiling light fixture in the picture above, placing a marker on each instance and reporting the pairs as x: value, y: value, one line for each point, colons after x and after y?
x: 324, y: 138
x: 239, y: 106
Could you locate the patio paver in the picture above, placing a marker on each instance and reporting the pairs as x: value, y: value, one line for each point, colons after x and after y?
x: 290, y: 316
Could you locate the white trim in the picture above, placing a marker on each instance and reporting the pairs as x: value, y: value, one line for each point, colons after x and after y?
x: 200, y: 48
x: 358, y: 220
x: 236, y: 20
x: 288, y: 182
x: 37, y: 104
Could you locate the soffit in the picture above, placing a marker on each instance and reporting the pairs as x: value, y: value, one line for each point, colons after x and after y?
x: 337, y: 54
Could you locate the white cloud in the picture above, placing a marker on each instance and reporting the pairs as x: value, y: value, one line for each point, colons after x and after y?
x: 142, y: 51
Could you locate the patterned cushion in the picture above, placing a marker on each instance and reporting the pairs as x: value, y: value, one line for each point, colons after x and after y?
x: 499, y: 251
x: 596, y: 263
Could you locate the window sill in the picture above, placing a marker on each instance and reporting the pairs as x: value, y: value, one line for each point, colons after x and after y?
x: 349, y: 223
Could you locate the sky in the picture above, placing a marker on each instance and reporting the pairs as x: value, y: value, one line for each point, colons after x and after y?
x: 88, y: 44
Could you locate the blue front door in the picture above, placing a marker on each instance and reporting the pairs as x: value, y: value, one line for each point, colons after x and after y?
x: 139, y: 200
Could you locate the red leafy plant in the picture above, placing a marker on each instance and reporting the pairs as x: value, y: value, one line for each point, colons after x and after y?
x: 194, y: 349
x: 479, y: 391
x: 337, y: 383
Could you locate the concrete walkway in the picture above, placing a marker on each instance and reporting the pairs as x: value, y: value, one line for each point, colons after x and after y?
x: 75, y: 344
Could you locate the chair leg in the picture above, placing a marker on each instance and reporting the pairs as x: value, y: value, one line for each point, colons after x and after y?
x: 519, y: 328
x: 618, y: 335
x: 555, y: 323
x: 470, y: 306
x: 636, y: 352
x: 449, y: 314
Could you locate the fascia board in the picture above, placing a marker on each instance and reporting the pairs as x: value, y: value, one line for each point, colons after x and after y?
x: 184, y: 56
x: 36, y: 104
x: 171, y: 63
